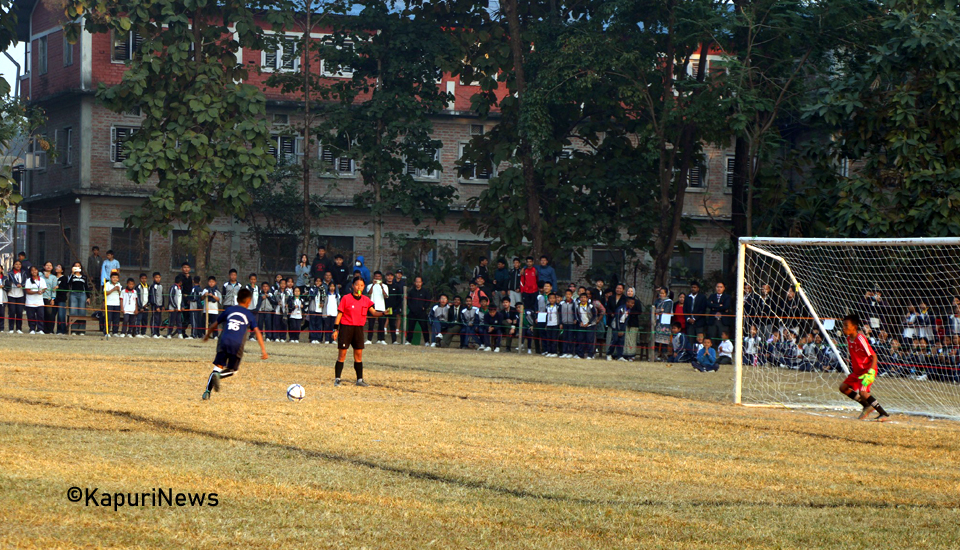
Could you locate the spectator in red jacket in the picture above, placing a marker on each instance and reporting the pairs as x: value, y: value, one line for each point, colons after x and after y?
x: 529, y: 287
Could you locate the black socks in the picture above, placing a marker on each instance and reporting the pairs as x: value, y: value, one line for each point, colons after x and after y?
x: 338, y: 369
x: 359, y: 368
x: 872, y: 402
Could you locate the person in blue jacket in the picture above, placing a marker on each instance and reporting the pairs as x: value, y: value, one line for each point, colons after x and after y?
x: 546, y: 273
x: 364, y: 272
x: 706, y: 357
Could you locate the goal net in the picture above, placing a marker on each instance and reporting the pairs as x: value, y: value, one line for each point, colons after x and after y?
x: 794, y: 294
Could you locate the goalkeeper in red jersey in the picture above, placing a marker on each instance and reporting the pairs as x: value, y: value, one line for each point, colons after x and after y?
x: 863, y: 367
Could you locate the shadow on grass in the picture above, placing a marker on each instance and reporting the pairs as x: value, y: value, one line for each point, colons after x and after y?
x: 161, y: 424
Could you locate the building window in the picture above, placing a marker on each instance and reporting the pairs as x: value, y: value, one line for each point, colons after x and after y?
x: 133, y: 112
x: 337, y: 245
x: 731, y: 164
x: 416, y: 254
x: 285, y: 56
x: 332, y: 164
x: 424, y: 173
x: 125, y: 45
x: 696, y: 178
x: 686, y: 267
x: 37, y: 153
x: 843, y: 168
x: 67, y: 52
x: 66, y: 148
x: 286, y: 149
x: 281, y: 119
x: 474, y: 172
x: 476, y: 129
x: 329, y: 68
x: 607, y: 263
x: 277, y: 252
x: 119, y: 136
x: 41, y: 249
x: 469, y: 254
x: 42, y: 55
x: 130, y: 247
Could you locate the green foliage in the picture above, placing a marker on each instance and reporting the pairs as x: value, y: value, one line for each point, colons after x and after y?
x: 203, y: 141
x: 380, y: 116
x: 899, y: 113
x: 271, y: 211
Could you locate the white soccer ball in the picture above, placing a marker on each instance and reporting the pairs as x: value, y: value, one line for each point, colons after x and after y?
x: 295, y: 392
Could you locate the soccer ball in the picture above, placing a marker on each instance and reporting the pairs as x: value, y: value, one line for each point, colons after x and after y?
x: 295, y: 392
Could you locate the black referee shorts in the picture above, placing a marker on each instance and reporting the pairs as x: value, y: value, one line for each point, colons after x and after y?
x: 350, y: 336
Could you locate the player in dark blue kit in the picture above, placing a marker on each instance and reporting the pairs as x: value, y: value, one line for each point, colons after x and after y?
x: 236, y: 321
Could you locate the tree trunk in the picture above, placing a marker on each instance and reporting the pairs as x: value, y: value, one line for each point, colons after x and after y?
x: 524, y: 151
x: 203, y: 246
x: 307, y: 122
x: 377, y: 228
x: 671, y: 208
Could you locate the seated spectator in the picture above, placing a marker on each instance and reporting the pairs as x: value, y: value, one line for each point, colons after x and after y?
x: 706, y: 358
x: 726, y: 349
x: 439, y: 318
x: 751, y: 347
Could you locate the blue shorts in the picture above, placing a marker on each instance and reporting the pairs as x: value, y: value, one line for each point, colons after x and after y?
x: 226, y: 361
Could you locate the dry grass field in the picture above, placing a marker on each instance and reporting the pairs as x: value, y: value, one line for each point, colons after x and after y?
x: 446, y: 449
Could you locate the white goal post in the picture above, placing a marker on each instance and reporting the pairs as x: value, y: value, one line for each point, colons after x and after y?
x: 793, y: 293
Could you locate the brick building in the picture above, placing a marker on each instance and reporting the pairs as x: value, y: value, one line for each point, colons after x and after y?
x: 85, y: 191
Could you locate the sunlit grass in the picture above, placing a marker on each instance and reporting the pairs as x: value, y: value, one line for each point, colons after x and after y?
x: 447, y: 449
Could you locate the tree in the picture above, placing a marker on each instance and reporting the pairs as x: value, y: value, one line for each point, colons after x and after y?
x: 380, y: 116
x: 776, y: 54
x: 204, y: 140
x: 897, y: 114
x: 269, y: 214
x: 306, y: 82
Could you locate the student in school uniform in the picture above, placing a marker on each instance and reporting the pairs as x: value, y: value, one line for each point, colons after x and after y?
x: 295, y: 305
x: 130, y: 307
x: 143, y: 306
x: 280, y: 311
x: 49, y: 308
x: 34, y: 287
x: 211, y: 298
x: 510, y: 320
x: 16, y: 297
x: 568, y: 324
x: 330, y: 309
x: 60, y: 298
x: 175, y: 304
x: 155, y: 303
x: 316, y: 299
x: 378, y: 292
x: 587, y: 318
x: 552, y: 325
x: 265, y: 314
x: 230, y: 289
x: 196, y: 309
x: 394, y: 302
x: 254, y: 289
x: 112, y: 289
x: 78, y: 287
x: 491, y: 327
